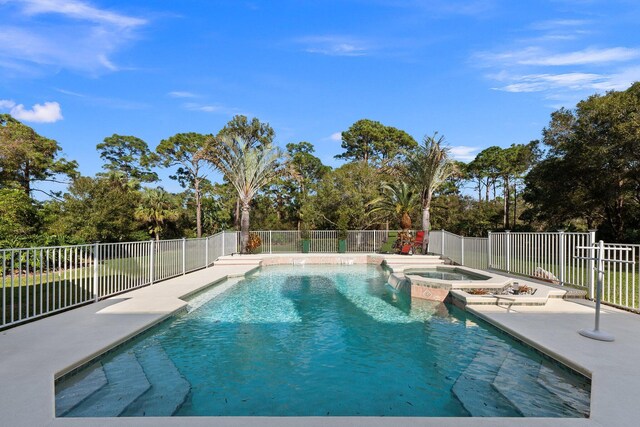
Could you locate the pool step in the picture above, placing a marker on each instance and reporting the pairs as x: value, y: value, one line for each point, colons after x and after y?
x: 474, y: 388
x: 78, y: 388
x: 571, y: 392
x: 168, y: 389
x: 518, y: 381
x: 572, y: 293
x: 126, y: 382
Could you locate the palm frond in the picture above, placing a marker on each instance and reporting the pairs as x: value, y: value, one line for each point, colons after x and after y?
x: 247, y: 168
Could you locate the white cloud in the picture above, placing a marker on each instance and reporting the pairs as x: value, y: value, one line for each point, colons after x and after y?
x: 587, y: 56
x: 334, y: 137
x: 200, y: 107
x: 568, y: 74
x: 6, y: 104
x: 538, y: 56
x: 542, y: 82
x: 463, y: 153
x: 335, y: 45
x: 49, y: 112
x: 79, y: 36
x: 71, y: 93
x: 103, y: 60
x: 556, y: 24
x: 182, y: 94
x: 620, y: 80
x: 574, y: 82
x: 211, y: 108
x: 81, y: 11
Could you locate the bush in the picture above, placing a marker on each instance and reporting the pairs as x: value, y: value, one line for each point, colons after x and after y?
x: 254, y: 243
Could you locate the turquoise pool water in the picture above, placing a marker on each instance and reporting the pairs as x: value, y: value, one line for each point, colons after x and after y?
x: 322, y: 341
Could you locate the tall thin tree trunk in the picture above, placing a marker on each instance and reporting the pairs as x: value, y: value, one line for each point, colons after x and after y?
x: 236, y: 215
x: 505, y: 196
x: 515, y: 205
x: 488, y: 190
x: 505, y: 215
x: 426, y: 223
x: 244, y: 228
x: 196, y: 186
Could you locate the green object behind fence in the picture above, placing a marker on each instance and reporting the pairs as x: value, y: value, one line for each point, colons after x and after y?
x: 387, y: 246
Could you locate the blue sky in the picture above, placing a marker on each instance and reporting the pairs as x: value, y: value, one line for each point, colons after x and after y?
x: 481, y: 73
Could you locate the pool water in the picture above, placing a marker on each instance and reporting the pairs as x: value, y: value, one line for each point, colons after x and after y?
x: 322, y: 341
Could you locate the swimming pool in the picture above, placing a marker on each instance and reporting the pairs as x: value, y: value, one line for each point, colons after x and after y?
x: 322, y: 341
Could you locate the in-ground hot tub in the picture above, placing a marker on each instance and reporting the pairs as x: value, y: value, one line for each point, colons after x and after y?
x: 443, y: 273
x: 435, y: 283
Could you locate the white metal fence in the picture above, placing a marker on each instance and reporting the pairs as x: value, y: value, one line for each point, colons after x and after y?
x: 37, y: 281
x: 469, y: 251
x: 620, y: 285
x: 45, y: 280
x: 557, y: 253
x: 41, y: 281
x: 320, y: 241
x: 520, y: 253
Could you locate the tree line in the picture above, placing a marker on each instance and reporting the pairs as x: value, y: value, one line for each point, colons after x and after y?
x: 582, y: 174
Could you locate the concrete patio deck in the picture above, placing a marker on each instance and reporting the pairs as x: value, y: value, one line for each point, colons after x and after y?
x: 33, y: 354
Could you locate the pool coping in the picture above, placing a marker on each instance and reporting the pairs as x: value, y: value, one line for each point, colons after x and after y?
x: 32, y: 356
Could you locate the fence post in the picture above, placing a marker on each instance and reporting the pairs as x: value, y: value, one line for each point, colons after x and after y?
x: 592, y: 256
x: 507, y: 236
x: 184, y: 256
x: 461, y: 250
x: 270, y: 241
x: 374, y: 240
x: 489, y: 257
x: 152, y: 260
x: 442, y: 242
x: 561, y: 256
x: 222, y: 253
x: 96, y: 279
x: 206, y: 252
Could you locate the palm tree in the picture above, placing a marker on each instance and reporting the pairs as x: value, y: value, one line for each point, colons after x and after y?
x: 248, y: 168
x: 157, y: 206
x: 397, y: 200
x: 428, y: 167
